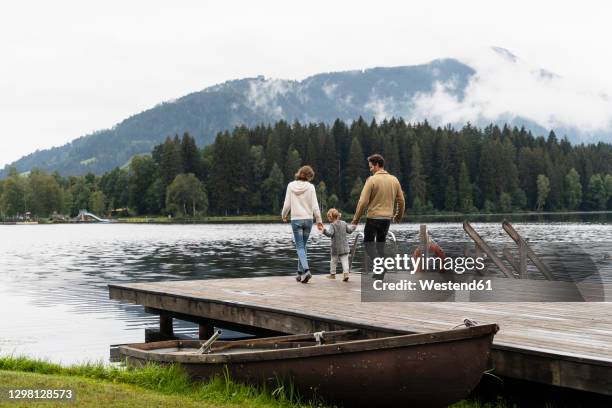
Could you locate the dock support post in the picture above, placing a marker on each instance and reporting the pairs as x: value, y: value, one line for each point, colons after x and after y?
x: 165, y: 325
x: 165, y: 332
x: 205, y: 331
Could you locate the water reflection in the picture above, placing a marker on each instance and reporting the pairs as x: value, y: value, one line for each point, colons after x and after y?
x: 53, y: 278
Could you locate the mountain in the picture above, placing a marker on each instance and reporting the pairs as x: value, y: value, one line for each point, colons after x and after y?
x: 442, y: 91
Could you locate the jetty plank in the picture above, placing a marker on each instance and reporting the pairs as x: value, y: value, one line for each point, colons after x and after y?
x: 564, y: 344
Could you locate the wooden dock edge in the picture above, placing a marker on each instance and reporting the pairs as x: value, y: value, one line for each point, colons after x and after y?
x: 235, y: 314
x: 508, y: 360
x: 563, y: 370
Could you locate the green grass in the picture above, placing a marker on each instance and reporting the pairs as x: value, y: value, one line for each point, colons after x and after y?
x: 150, y: 381
x: 94, y: 393
x: 96, y: 384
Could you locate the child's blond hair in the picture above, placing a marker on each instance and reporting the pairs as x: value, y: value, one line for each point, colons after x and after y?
x: 334, y: 214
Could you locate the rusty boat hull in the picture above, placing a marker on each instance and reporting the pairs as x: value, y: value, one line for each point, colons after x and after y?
x: 424, y: 370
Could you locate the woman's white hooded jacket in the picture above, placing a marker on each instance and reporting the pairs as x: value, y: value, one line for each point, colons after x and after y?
x: 301, y: 200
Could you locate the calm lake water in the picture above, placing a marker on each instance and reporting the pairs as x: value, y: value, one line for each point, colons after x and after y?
x: 53, y: 278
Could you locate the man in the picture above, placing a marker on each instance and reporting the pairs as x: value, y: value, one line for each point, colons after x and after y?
x: 383, y: 198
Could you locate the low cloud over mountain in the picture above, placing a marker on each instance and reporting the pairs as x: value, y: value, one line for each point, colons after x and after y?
x: 496, y: 86
x: 506, y: 88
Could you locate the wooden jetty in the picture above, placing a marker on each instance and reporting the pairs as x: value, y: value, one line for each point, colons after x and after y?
x: 562, y: 344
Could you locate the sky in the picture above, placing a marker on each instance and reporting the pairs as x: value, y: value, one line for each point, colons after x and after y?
x: 68, y: 68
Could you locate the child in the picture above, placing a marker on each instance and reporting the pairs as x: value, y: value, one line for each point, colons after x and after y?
x: 338, y: 231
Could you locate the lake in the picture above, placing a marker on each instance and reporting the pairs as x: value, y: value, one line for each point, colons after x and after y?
x: 53, y: 278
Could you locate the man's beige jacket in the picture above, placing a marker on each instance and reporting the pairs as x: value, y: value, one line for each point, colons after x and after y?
x: 382, y: 196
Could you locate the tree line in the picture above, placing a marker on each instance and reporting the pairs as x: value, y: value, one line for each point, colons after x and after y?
x: 245, y: 172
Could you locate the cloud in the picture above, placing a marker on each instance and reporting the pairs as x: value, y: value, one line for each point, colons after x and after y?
x: 329, y: 89
x: 506, y: 87
x: 381, y: 107
x: 263, y: 95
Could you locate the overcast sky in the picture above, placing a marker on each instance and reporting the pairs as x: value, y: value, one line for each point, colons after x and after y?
x: 70, y: 67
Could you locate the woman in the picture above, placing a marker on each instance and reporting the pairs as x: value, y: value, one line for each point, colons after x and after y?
x: 301, y: 201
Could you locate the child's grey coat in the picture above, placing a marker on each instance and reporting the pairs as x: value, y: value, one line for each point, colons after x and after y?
x: 338, y: 231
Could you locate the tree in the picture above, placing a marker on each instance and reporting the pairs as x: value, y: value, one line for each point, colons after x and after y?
x: 116, y: 187
x: 218, y: 186
x: 292, y: 162
x: 329, y: 163
x: 13, y: 197
x: 171, y: 162
x: 488, y: 206
x: 240, y: 177
x: 543, y: 189
x: 322, y: 195
x: 66, y: 202
x: 272, y: 188
x: 417, y: 178
x: 355, y: 166
x: 450, y: 195
x: 608, y: 184
x: 97, y: 203
x: 81, y: 192
x: 597, y: 197
x: 466, y: 202
x: 532, y: 162
x: 519, y: 198
x: 333, y: 201
x: 391, y: 154
x: 573, y: 190
x: 487, y: 172
x: 44, y: 194
x: 505, y: 202
x: 342, y: 141
x: 273, y: 151
x: 356, y: 192
x: 142, y: 174
x: 190, y: 156
x: 186, y: 195
x: 258, y: 166
x: 155, y: 198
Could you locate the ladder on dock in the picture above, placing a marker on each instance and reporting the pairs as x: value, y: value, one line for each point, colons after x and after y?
x: 518, y: 267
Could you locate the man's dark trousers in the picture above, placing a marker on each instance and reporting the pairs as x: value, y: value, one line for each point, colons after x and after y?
x: 374, y: 236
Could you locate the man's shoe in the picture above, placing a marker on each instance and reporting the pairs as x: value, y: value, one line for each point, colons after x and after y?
x: 298, y: 277
x: 379, y: 276
x: 306, y: 277
x: 345, y: 277
x: 331, y: 276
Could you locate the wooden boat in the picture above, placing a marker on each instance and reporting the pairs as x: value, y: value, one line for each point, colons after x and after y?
x: 422, y: 370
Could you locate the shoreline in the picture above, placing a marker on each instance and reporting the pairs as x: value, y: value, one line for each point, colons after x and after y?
x: 267, y: 219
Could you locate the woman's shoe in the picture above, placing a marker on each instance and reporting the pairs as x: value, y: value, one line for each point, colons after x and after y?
x: 306, y: 277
